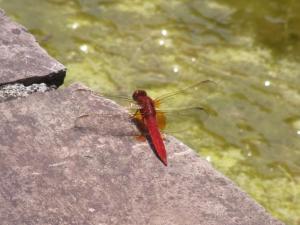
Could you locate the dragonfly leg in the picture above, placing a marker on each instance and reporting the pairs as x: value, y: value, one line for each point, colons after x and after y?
x: 141, y: 138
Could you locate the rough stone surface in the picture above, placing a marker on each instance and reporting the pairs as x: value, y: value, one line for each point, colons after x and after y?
x: 11, y: 91
x: 56, y: 169
x: 22, y: 60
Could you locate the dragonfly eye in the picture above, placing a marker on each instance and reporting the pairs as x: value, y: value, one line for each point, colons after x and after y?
x: 138, y: 93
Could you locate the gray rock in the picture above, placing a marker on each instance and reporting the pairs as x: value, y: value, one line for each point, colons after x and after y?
x: 59, y: 168
x: 22, y: 60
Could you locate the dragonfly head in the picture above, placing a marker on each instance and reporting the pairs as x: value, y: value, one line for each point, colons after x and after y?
x: 138, y: 93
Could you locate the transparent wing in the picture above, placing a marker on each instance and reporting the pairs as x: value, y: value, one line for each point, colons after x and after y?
x: 195, y: 92
x: 111, y: 124
x: 125, y: 101
x: 180, y: 119
x: 170, y: 118
x: 192, y: 110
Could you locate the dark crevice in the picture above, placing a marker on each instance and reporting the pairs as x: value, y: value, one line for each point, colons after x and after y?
x: 23, y: 88
x: 52, y: 79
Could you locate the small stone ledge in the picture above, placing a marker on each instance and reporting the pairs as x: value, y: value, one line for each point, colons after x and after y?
x: 22, y: 60
x: 12, y: 91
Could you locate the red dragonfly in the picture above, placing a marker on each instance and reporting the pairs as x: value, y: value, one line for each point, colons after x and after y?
x: 150, y: 120
x: 147, y: 113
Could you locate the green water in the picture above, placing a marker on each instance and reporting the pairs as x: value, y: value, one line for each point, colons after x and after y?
x: 250, y: 49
